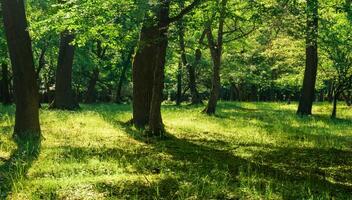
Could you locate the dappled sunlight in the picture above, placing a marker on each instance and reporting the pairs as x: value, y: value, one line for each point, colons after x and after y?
x: 243, y: 151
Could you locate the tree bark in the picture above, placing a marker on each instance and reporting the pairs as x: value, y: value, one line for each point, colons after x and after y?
x: 90, y: 95
x: 148, y: 67
x: 310, y: 74
x: 64, y: 97
x: 126, y: 64
x: 196, y: 99
x: 179, y: 85
x: 156, y: 127
x: 143, y: 74
x: 334, y: 109
x: 5, y: 91
x: 21, y: 55
x: 216, y: 54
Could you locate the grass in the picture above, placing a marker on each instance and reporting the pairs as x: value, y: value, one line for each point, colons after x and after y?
x: 246, y: 151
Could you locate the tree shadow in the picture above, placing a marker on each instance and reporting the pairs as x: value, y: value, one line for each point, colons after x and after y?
x: 14, y: 169
x: 287, y: 166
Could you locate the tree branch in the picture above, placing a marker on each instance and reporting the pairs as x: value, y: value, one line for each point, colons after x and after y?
x: 185, y: 11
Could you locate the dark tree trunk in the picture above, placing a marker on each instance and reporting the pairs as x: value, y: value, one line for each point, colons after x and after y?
x: 122, y: 79
x: 143, y: 74
x: 21, y: 55
x: 310, y: 74
x: 148, y: 67
x: 126, y: 64
x: 179, y: 85
x: 216, y: 54
x: 5, y: 91
x: 348, y: 97
x: 215, y: 90
x: 155, y: 121
x: 64, y: 97
x: 41, y: 64
x: 191, y: 68
x: 90, y: 95
x: 334, y: 109
x: 196, y: 99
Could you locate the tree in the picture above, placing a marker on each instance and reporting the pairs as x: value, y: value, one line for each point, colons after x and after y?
x: 5, y: 82
x: 25, y: 85
x: 216, y: 48
x: 64, y: 96
x: 336, y: 43
x: 149, y: 63
x: 195, y: 98
x: 310, y: 74
x: 216, y: 44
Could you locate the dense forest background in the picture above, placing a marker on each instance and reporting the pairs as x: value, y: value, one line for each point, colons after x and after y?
x: 262, y: 49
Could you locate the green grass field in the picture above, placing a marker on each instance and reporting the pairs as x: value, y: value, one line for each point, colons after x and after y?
x: 246, y: 151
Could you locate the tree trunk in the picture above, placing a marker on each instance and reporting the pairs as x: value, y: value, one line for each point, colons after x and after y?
x: 155, y: 121
x: 348, y: 97
x: 196, y: 99
x: 120, y: 84
x: 216, y: 54
x: 215, y: 90
x: 179, y: 85
x: 21, y: 55
x: 90, y: 95
x: 334, y: 109
x: 126, y: 64
x: 310, y: 74
x: 64, y: 97
x: 191, y: 68
x: 5, y: 91
x: 143, y: 74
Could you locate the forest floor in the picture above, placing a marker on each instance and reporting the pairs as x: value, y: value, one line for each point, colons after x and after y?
x: 246, y: 151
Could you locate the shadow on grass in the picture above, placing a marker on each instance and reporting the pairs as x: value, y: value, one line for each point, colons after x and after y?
x: 289, y: 167
x: 13, y: 170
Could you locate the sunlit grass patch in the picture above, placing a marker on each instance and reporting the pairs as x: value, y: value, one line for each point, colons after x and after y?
x: 245, y: 151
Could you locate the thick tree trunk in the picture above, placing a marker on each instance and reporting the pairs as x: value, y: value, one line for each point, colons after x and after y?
x: 156, y: 127
x: 310, y: 74
x: 64, y: 97
x: 90, y: 95
x: 5, y: 91
x: 25, y: 85
x: 143, y: 74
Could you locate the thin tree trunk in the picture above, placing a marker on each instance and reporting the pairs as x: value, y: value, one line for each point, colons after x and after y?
x: 196, y: 99
x: 5, y: 92
x: 122, y: 79
x: 216, y: 54
x: 348, y: 98
x: 21, y: 55
x: 126, y: 64
x: 334, y: 109
x: 90, y: 95
x: 310, y: 74
x: 64, y: 97
x: 191, y: 68
x: 179, y: 85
